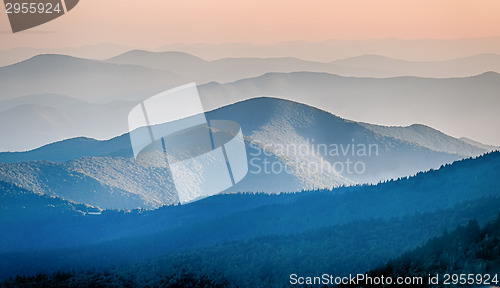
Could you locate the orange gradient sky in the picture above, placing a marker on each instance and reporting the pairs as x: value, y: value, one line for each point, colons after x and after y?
x: 152, y: 23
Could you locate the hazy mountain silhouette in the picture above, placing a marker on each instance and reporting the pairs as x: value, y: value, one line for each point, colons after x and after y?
x: 471, y: 102
x: 181, y: 62
x: 459, y: 67
x: 34, y: 125
x: 97, y: 52
x: 479, y: 144
x: 326, y: 51
x: 232, y: 69
x: 49, y: 100
x: 431, y: 138
x: 391, y: 101
x: 83, y: 79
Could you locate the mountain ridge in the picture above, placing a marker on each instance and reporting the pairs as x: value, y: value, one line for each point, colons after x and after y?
x: 361, y: 99
x: 229, y: 69
x: 431, y: 138
x: 79, y: 78
x: 270, y: 126
x: 241, y: 222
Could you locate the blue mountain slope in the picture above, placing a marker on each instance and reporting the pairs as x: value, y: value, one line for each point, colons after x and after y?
x: 467, y: 250
x: 22, y: 211
x: 18, y: 204
x: 273, y: 129
x: 468, y: 189
x: 71, y: 149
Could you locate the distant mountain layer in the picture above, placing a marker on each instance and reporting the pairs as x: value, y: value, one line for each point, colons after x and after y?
x: 232, y: 69
x: 479, y: 144
x: 108, y: 92
x: 218, y: 234
x: 471, y: 102
x: 51, y: 121
x: 48, y: 100
x: 432, y: 139
x: 459, y: 67
x: 84, y: 79
x: 290, y: 147
x: 98, y: 51
x: 325, y: 51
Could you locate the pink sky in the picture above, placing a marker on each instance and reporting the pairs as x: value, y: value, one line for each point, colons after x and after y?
x: 152, y: 23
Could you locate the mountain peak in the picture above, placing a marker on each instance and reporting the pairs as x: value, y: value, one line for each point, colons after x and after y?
x: 46, y: 60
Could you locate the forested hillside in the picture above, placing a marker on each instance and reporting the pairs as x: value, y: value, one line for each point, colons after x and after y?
x: 467, y: 250
x: 257, y: 240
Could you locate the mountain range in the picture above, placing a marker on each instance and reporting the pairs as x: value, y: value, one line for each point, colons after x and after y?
x: 405, y: 100
x: 325, y: 51
x: 98, y: 52
x: 43, y: 110
x: 232, y: 69
x: 329, y: 50
x: 226, y: 232
x: 83, y: 79
x: 352, y: 161
x: 333, y: 152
